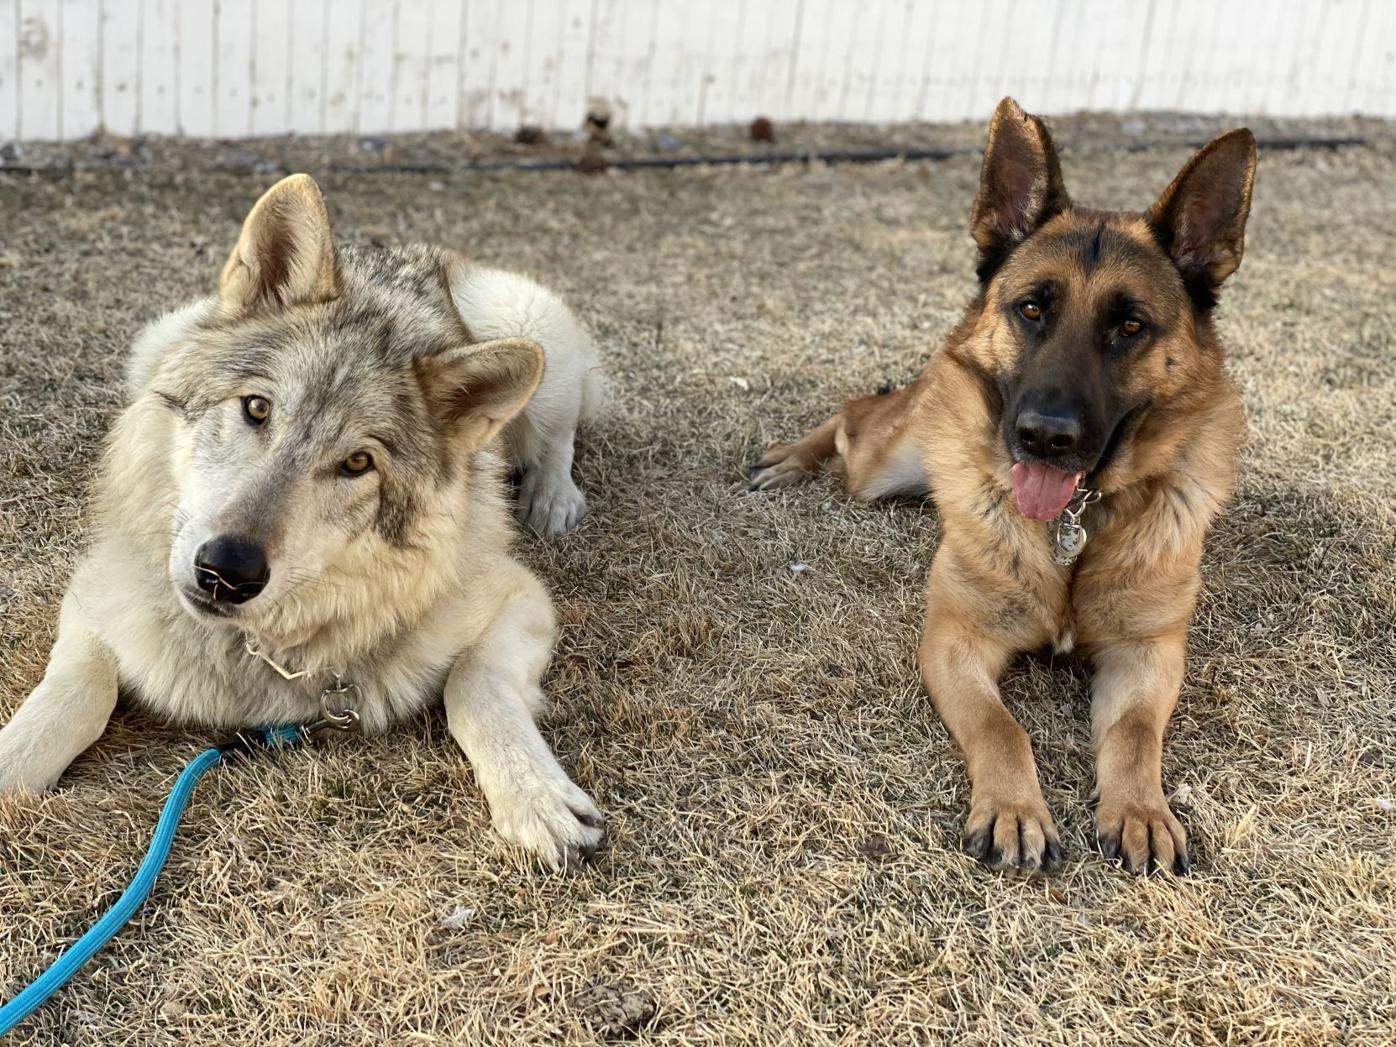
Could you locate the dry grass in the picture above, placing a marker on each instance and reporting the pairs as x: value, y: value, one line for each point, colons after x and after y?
x: 782, y: 863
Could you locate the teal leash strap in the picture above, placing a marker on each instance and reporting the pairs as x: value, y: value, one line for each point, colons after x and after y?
x: 76, y: 955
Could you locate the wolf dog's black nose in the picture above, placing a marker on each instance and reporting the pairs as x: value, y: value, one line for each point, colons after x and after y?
x: 1048, y: 434
x: 231, y: 569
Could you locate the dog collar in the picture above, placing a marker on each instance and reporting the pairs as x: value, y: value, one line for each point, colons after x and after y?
x: 337, y: 710
x: 1066, y: 531
x: 286, y: 674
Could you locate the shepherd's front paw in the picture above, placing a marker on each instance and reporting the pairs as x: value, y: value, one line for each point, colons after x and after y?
x: 1143, y: 835
x: 1012, y: 832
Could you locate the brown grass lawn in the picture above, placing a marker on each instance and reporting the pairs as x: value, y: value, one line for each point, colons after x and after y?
x: 782, y: 862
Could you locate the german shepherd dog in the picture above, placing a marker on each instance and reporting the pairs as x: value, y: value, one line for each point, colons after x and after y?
x: 304, y: 481
x: 1083, y: 393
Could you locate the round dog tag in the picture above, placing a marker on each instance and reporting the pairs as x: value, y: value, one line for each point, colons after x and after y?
x: 1070, y: 540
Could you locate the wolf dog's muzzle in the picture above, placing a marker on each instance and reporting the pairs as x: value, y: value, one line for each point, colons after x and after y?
x: 231, y: 569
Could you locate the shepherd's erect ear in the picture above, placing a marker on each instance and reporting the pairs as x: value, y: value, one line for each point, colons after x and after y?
x: 284, y: 255
x: 475, y: 389
x: 1201, y: 217
x: 1020, y: 185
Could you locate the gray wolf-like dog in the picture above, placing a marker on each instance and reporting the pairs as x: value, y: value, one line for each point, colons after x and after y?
x: 306, y: 470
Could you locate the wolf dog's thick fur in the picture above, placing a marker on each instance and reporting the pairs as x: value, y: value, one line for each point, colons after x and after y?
x: 305, y: 465
x: 1088, y: 360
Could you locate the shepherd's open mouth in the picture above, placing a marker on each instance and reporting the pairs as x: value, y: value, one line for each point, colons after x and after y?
x: 1040, y: 491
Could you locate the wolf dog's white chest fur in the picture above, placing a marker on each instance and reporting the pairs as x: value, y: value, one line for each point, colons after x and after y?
x: 200, y: 672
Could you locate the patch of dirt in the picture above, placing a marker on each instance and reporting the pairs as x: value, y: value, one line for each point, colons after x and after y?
x: 617, y: 1011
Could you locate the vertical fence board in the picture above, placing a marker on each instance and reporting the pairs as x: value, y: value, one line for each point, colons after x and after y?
x: 158, y: 74
x: 308, y: 64
x: 900, y: 89
x: 621, y: 54
x: 774, y: 44
x: 724, y: 62
x: 675, y: 64
x: 271, y: 67
x: 808, y: 80
x: 478, y: 55
x: 411, y: 65
x: 343, y: 22
x: 81, y: 63
x: 9, y: 69
x: 1380, y: 86
x: 443, y: 65
x: 1157, y: 53
x: 40, y: 76
x: 374, y: 113
x: 938, y: 74
x: 232, y: 69
x: 120, y: 68
x: 540, y: 62
x: 568, y: 106
x: 1331, y: 51
x: 1362, y: 68
x: 509, y: 103
x: 196, y: 68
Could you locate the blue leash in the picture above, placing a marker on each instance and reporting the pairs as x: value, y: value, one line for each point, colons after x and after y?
x: 245, y: 744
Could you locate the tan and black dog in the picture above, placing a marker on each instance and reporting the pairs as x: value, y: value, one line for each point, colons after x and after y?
x: 1083, y: 393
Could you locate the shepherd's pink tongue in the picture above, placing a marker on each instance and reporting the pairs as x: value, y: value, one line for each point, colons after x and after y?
x: 1041, y: 491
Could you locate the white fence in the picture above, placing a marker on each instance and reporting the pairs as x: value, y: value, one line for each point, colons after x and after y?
x: 231, y: 68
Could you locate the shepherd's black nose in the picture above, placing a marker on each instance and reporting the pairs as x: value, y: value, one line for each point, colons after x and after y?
x: 1048, y: 434
x: 231, y: 569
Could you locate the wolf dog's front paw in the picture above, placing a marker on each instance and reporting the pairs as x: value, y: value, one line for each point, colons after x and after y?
x: 21, y: 774
x: 1013, y: 833
x: 552, y: 818
x: 1144, y: 836
x: 781, y: 466
x: 549, y: 504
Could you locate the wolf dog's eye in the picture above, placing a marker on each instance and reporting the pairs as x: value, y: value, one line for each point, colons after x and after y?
x: 1131, y: 327
x: 1030, y: 311
x: 356, y: 464
x: 256, y: 409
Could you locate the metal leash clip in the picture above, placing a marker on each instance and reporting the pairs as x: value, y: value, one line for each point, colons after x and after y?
x: 337, y: 712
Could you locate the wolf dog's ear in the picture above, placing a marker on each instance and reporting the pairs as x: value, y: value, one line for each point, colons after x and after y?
x: 1201, y: 218
x: 475, y: 389
x: 1020, y: 185
x: 284, y: 255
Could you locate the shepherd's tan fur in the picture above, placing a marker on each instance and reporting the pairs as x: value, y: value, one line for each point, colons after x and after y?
x: 993, y: 589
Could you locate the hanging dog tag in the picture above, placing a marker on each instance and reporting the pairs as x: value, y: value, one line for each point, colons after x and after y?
x: 1067, y: 542
x: 1068, y: 536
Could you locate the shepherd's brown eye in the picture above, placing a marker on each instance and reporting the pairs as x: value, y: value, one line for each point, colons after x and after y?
x: 256, y: 409
x: 1130, y: 328
x: 1030, y: 311
x: 357, y: 464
